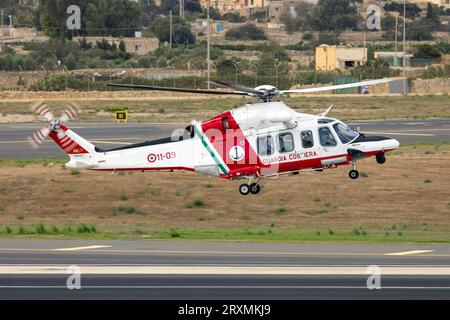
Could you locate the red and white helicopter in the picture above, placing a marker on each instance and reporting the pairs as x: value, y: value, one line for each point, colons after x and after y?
x: 251, y: 142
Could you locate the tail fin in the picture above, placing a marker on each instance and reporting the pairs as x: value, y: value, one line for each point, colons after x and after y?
x: 71, y: 142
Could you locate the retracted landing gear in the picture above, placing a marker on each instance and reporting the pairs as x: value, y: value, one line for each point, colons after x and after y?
x: 381, y: 158
x: 353, y: 174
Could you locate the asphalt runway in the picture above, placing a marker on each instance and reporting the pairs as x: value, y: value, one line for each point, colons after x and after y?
x: 13, y: 137
x: 147, y: 269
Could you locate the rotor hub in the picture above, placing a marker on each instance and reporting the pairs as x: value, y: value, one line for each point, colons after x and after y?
x: 55, y: 124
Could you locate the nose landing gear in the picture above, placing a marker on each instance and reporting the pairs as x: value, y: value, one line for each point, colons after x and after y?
x: 353, y: 174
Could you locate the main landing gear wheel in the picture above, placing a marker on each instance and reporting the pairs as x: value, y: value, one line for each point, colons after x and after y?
x: 353, y: 174
x: 381, y: 158
x: 244, y: 189
x: 255, y: 188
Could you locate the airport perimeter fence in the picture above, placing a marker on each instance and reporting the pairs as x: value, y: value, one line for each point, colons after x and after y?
x: 57, y: 81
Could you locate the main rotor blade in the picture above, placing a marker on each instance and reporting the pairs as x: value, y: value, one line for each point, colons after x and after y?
x: 172, y: 89
x: 343, y: 86
x: 226, y: 84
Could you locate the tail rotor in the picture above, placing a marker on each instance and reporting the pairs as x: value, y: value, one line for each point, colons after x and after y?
x: 54, y: 124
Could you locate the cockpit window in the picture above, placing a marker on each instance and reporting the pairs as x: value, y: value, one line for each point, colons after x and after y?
x: 325, y: 121
x: 345, y: 133
x: 326, y: 137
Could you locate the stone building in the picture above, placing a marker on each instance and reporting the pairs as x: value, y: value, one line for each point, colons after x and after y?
x: 334, y: 57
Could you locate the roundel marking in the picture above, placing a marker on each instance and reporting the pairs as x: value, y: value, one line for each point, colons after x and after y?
x: 236, y: 153
x: 151, y: 157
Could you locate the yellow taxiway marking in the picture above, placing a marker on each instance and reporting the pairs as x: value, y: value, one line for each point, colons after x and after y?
x: 236, y: 270
x: 402, y: 133
x: 405, y: 253
x: 82, y: 248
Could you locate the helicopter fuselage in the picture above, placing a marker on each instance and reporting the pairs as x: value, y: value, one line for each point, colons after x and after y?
x: 250, y: 142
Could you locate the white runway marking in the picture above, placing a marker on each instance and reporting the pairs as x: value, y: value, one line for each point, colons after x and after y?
x: 223, y: 270
x: 404, y: 253
x: 201, y: 252
x: 230, y: 287
x: 82, y: 248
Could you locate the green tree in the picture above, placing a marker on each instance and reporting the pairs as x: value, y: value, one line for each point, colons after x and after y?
x: 98, y: 17
x: 419, y: 30
x: 246, y: 32
x: 234, y: 17
x: 214, y: 14
x: 374, y: 69
x: 112, y: 17
x: 52, y: 17
x: 432, y: 12
x: 412, y: 9
x: 426, y: 51
x: 122, y: 46
x: 181, y: 31
x: 22, y: 11
x: 335, y: 15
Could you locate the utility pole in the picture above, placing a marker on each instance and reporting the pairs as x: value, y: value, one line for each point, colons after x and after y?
x: 404, y: 46
x: 2, y: 25
x: 276, y: 73
x: 208, y: 62
x: 170, y: 29
x: 364, y: 44
x: 180, y: 4
x: 396, y: 38
x: 256, y: 74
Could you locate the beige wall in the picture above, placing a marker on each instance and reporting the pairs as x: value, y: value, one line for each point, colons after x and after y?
x: 334, y: 57
x: 326, y: 58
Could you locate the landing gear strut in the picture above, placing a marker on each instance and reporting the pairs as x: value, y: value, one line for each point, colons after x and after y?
x: 255, y: 188
x: 353, y: 174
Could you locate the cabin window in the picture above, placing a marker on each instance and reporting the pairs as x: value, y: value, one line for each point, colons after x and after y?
x: 307, y: 139
x: 326, y: 137
x: 285, y: 142
x: 265, y: 145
